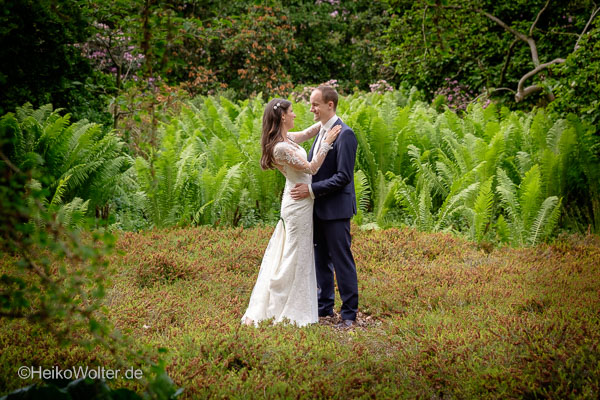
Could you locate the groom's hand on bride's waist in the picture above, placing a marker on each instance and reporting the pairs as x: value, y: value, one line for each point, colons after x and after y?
x: 300, y: 191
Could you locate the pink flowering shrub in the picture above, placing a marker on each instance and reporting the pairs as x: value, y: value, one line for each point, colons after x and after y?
x: 304, y: 93
x: 111, y: 51
x: 381, y: 86
x: 332, y: 2
x: 457, y: 97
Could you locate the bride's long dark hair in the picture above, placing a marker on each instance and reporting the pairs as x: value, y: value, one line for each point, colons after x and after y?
x: 271, y: 130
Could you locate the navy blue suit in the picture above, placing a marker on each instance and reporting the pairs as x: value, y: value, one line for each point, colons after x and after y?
x: 335, y: 204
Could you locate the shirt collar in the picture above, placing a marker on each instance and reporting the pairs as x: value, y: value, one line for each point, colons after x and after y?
x: 327, y: 126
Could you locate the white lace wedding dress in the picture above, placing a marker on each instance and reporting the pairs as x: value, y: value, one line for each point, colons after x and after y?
x: 286, y: 287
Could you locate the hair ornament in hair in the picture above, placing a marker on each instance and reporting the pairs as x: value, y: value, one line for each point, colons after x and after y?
x: 276, y: 105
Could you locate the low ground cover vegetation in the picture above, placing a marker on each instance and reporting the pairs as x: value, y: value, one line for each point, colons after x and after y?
x: 445, y: 318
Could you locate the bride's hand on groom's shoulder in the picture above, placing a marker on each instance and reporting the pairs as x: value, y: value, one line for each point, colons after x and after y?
x: 333, y: 134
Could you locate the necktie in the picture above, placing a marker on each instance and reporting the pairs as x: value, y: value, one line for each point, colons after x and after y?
x: 319, y: 140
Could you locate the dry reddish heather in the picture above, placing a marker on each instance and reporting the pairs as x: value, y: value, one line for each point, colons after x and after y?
x: 439, y: 317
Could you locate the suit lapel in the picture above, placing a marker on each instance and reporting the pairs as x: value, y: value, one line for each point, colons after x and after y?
x: 312, y: 149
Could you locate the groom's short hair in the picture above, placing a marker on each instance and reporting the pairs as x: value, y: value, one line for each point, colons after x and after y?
x: 329, y: 94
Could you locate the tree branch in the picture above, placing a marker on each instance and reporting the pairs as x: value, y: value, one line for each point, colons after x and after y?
x: 594, y: 13
x: 490, y: 93
x: 502, y: 89
x: 507, y: 61
x: 9, y: 163
x: 423, y: 28
x: 538, y: 18
x: 528, y: 39
x: 503, y: 24
x: 522, y: 93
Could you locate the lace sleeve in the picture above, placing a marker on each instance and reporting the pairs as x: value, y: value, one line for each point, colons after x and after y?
x: 308, y: 133
x: 285, y: 153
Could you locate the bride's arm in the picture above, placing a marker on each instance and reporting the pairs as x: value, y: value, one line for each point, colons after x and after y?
x: 285, y: 153
x: 306, y: 134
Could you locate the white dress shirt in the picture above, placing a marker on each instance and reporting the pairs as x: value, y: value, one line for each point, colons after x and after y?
x: 324, y: 129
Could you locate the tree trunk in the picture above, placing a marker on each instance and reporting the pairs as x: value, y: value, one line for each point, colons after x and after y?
x: 145, y: 45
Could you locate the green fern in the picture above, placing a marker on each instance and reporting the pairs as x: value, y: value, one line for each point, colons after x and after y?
x: 406, y: 195
x: 385, y: 190
x: 482, y: 210
x: 362, y: 192
x: 453, y: 204
x: 57, y: 198
x: 545, y: 221
x: 425, y: 216
x: 73, y: 213
x: 425, y: 172
x: 362, y: 189
x: 531, y: 218
x: 77, y: 160
x: 507, y: 191
x: 530, y: 194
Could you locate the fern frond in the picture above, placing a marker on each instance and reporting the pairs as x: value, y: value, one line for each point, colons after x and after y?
x: 554, y: 135
x: 228, y: 183
x: 425, y: 220
x: 198, y: 214
x: 72, y: 214
x: 494, y: 153
x: 482, y: 210
x: 507, y: 191
x: 408, y: 197
x: 10, y: 130
x: 452, y: 204
x: 444, y: 171
x: 57, y: 198
x: 385, y: 195
x: 502, y: 230
x: 362, y: 190
x: 545, y: 220
x: 424, y: 171
x: 524, y: 162
x: 232, y: 109
x: 381, y: 143
x: 456, y: 149
x: 530, y: 195
x: 82, y: 138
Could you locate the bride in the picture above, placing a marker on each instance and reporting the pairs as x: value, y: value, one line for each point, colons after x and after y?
x: 286, y: 287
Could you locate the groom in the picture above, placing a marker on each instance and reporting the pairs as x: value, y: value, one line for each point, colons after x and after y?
x: 335, y: 203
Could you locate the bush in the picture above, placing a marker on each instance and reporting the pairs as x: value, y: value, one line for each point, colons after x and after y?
x: 40, y: 65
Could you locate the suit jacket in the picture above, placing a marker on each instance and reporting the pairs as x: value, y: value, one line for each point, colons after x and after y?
x: 333, y: 184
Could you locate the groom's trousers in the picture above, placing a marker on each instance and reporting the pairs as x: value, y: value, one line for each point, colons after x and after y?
x: 332, y: 253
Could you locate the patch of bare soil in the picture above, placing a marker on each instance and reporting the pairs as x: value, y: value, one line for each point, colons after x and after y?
x: 363, y: 321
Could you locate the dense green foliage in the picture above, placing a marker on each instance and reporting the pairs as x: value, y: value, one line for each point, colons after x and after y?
x: 175, y: 93
x: 578, y: 81
x: 493, y: 175
x: 431, y: 41
x: 207, y: 169
x: 39, y: 64
x: 439, y: 318
x: 80, y: 165
x: 272, y: 48
x: 253, y: 48
x: 53, y: 280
